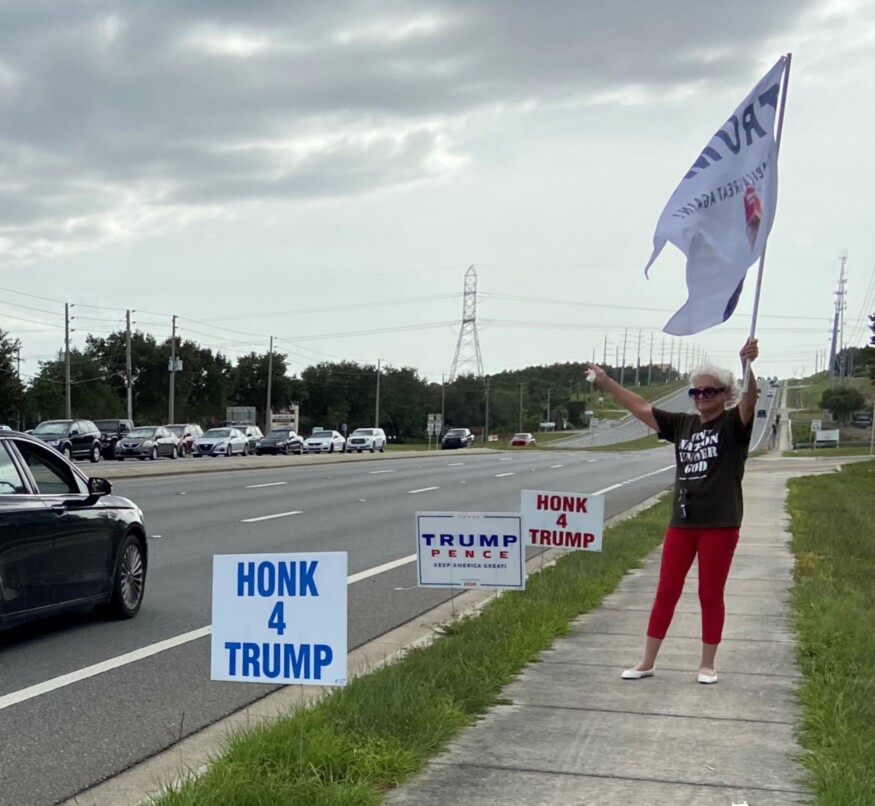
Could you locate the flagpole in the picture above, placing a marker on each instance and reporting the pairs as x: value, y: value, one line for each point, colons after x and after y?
x: 756, y: 298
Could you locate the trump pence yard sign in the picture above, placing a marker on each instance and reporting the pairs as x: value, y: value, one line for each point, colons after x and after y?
x: 469, y: 550
x: 280, y: 618
x: 563, y: 520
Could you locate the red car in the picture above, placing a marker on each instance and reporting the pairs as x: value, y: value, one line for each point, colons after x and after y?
x: 522, y: 440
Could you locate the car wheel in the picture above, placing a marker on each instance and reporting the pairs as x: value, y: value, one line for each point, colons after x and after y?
x: 95, y: 454
x: 130, y: 579
x: 373, y: 449
x: 174, y: 453
x: 331, y: 448
x: 153, y: 454
x: 246, y: 449
x: 382, y: 448
x: 68, y: 452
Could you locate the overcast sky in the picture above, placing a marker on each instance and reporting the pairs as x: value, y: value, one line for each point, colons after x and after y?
x: 326, y: 172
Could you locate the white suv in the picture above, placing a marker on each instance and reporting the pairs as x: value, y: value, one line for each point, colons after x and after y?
x: 366, y: 439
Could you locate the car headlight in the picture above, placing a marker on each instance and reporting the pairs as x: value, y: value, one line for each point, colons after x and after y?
x: 55, y: 442
x: 147, y: 443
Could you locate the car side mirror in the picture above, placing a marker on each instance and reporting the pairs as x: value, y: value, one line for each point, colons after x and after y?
x: 98, y: 487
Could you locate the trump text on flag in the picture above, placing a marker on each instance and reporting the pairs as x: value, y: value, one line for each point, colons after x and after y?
x: 562, y: 520
x: 280, y: 618
x: 469, y: 550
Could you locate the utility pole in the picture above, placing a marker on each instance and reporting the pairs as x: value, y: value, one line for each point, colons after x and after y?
x: 638, y: 361
x: 128, y: 373
x: 605, y: 354
x: 377, y: 407
x: 521, y: 408
x: 68, y: 405
x: 650, y: 362
x: 443, y: 405
x: 172, y: 369
x: 548, y: 405
x: 623, y: 367
x: 486, y: 424
x: 268, y: 412
x: 839, y: 306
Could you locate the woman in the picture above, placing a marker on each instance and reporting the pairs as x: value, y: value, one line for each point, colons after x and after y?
x: 710, y: 450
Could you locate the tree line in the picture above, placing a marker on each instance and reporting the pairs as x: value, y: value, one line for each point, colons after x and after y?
x: 330, y: 394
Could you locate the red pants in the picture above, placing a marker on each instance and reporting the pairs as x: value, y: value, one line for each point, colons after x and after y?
x: 715, y: 548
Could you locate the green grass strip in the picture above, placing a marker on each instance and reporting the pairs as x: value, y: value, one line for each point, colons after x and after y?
x: 833, y: 526
x: 371, y: 735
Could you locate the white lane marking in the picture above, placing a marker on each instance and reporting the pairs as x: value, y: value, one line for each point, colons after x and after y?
x: 423, y: 490
x: 374, y: 472
x: 502, y: 475
x: 98, y: 668
x: 553, y: 467
x: 506, y: 459
x: 269, y: 484
x: 455, y: 464
x: 632, y: 481
x: 271, y: 517
x: 380, y: 569
x: 22, y: 695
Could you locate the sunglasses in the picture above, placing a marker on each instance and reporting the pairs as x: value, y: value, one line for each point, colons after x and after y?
x: 708, y: 392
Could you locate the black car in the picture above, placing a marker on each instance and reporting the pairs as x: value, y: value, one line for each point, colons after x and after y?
x: 76, y: 439
x: 280, y: 440
x: 65, y: 540
x: 457, y: 438
x: 111, y: 431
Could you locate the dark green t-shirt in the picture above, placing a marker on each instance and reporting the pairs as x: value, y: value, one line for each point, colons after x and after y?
x: 710, y: 461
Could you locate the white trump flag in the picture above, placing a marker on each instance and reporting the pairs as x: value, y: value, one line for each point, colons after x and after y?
x: 721, y: 213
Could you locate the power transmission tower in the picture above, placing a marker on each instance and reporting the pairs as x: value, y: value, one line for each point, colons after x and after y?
x: 468, y: 346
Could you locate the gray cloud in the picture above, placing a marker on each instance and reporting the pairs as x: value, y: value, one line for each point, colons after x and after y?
x: 113, y: 110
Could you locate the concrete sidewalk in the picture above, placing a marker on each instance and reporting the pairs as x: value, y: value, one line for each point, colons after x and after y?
x: 576, y: 733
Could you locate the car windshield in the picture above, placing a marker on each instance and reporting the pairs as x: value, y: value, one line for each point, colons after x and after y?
x: 176, y: 430
x: 320, y: 435
x: 456, y: 432
x: 106, y: 425
x: 218, y: 432
x: 364, y: 432
x: 280, y: 433
x: 140, y: 433
x: 51, y: 428
x: 522, y: 436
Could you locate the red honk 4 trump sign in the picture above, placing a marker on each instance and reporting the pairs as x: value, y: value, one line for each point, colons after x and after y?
x: 573, y: 521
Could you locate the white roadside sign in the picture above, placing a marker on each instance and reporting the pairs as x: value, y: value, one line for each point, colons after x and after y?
x: 469, y: 550
x: 574, y: 521
x: 280, y: 618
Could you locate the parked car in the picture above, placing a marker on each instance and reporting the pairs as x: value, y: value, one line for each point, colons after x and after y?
x: 221, y: 442
x: 761, y: 413
x: 65, y: 540
x: 862, y: 419
x: 76, y: 439
x: 324, y: 442
x: 522, y: 439
x: 4, y: 427
x: 366, y: 439
x: 111, y: 431
x: 280, y: 440
x: 457, y: 438
x: 186, y: 434
x: 251, y: 432
x: 149, y: 441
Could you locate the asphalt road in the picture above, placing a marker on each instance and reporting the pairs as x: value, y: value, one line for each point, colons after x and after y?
x: 82, y: 698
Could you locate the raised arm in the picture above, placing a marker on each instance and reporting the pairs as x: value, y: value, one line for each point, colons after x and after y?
x: 750, y: 390
x: 635, y: 404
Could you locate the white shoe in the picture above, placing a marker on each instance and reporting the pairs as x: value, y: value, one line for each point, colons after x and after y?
x: 634, y: 674
x: 707, y: 678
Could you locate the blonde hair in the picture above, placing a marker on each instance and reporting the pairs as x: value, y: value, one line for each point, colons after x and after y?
x: 724, y: 377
